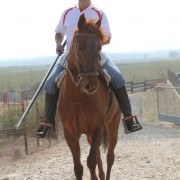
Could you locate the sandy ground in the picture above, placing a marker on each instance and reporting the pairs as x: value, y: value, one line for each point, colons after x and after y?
x: 152, y: 153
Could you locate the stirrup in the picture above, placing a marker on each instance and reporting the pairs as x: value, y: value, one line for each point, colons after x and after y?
x: 137, y: 125
x: 42, y: 131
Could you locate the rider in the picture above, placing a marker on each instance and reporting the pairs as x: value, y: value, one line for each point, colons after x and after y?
x: 66, y: 27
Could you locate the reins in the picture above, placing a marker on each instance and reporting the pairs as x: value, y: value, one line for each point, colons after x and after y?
x: 80, y: 77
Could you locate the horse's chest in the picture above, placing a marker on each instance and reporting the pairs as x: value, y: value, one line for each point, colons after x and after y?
x: 76, y: 108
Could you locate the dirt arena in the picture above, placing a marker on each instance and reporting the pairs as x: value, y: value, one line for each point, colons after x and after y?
x: 152, y: 153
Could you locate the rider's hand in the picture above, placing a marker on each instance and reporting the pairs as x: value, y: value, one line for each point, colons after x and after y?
x: 59, y: 49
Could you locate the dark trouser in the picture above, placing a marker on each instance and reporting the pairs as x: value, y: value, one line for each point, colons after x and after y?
x: 50, y: 107
x: 50, y: 113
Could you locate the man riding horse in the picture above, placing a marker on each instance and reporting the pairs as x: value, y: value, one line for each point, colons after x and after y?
x: 66, y: 27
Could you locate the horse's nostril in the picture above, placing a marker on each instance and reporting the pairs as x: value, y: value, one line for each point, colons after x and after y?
x: 88, y: 87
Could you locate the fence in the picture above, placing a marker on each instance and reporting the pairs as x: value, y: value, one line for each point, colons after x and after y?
x: 168, y: 102
x: 143, y: 86
x: 16, y: 144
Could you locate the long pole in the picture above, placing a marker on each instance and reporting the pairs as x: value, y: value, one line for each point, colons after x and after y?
x: 38, y: 90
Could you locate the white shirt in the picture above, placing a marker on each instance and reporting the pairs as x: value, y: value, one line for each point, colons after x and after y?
x: 70, y: 17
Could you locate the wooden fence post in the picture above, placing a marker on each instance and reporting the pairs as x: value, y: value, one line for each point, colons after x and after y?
x: 25, y: 131
x: 145, y: 86
x: 131, y: 87
x: 37, y: 120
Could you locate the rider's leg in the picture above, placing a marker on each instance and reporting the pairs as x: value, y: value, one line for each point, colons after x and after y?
x: 119, y: 89
x: 51, y: 98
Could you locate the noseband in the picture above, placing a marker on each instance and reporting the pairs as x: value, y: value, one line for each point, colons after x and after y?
x: 81, y: 74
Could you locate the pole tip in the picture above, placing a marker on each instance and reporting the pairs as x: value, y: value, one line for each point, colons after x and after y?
x: 18, y: 126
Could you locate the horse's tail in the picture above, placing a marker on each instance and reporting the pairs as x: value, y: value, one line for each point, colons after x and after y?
x: 105, y: 139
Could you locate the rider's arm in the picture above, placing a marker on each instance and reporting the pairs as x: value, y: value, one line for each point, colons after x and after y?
x: 106, y: 29
x: 59, y: 38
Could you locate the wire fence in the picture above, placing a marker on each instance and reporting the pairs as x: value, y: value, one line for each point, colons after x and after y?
x: 18, y: 85
x: 168, y: 101
x: 18, y: 143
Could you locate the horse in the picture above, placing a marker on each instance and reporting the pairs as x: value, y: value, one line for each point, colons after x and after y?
x: 86, y: 105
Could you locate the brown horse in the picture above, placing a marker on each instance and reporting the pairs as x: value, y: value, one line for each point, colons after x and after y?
x: 86, y: 105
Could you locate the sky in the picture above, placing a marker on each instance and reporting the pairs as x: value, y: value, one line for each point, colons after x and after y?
x: 27, y: 26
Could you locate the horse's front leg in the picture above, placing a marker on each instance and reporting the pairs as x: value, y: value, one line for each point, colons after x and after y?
x: 73, y: 143
x: 93, y: 154
x: 100, y: 166
x: 99, y: 162
x: 112, y: 129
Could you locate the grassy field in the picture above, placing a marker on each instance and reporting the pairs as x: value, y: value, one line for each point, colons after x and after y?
x: 17, y: 78
x: 139, y: 72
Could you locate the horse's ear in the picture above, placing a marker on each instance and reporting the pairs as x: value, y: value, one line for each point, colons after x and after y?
x: 82, y: 21
x: 98, y: 23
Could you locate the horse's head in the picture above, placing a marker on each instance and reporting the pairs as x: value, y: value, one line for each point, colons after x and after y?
x: 86, y: 45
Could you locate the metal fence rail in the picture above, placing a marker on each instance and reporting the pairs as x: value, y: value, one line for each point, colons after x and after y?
x: 168, y: 102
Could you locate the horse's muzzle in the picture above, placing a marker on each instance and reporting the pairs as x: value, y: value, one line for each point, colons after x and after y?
x: 90, y: 85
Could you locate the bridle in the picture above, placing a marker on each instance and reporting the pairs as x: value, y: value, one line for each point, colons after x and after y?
x: 81, y: 74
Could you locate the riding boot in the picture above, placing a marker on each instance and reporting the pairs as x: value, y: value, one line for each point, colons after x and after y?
x: 130, y: 122
x: 50, y: 113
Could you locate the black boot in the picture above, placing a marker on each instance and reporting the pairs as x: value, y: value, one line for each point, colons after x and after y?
x: 50, y: 113
x: 130, y: 122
